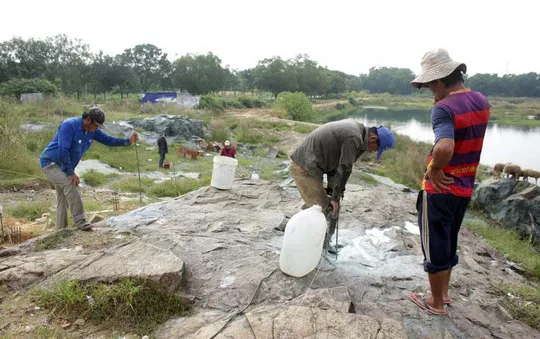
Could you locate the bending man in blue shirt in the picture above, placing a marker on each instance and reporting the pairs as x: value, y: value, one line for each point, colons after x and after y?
x: 61, y: 156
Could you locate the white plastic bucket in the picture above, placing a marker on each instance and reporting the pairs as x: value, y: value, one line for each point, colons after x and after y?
x: 223, y: 172
x: 303, y: 242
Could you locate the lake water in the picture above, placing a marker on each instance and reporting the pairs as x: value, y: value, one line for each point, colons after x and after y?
x: 519, y: 145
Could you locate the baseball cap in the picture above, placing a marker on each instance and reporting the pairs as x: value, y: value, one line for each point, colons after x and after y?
x: 227, y: 142
x: 98, y: 117
x: 386, y: 140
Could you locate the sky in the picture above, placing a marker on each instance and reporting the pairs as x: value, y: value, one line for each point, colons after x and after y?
x: 350, y: 36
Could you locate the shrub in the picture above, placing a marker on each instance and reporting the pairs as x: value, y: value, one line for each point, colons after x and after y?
x: 353, y: 101
x: 210, y: 103
x: 246, y: 102
x: 296, y: 105
x: 17, y: 86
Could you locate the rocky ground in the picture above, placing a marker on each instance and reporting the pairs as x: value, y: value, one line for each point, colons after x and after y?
x: 217, y: 247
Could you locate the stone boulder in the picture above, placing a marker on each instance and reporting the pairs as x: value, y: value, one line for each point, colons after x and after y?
x: 175, y: 126
x: 24, y: 270
x: 515, y: 204
x: 136, y: 259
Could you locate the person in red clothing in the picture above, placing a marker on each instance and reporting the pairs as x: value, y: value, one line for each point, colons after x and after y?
x: 228, y: 150
x: 459, y: 118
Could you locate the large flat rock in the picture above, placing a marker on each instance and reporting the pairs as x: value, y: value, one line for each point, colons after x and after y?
x: 136, y: 259
x: 24, y: 270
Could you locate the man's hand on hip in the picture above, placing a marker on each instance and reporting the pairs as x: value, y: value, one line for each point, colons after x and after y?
x: 74, y: 179
x: 438, y: 179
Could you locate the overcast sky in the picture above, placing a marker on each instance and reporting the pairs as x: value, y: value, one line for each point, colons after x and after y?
x: 351, y: 36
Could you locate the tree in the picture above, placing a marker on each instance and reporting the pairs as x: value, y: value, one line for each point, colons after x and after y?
x: 69, y: 61
x: 232, y: 81
x: 147, y: 62
x: 101, y: 74
x: 122, y: 74
x: 166, y: 74
x: 17, y: 86
x: 200, y: 74
x: 247, y: 81
x: 274, y: 75
x: 389, y: 80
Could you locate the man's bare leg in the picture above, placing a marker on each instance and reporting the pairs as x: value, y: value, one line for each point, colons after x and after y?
x: 437, y: 282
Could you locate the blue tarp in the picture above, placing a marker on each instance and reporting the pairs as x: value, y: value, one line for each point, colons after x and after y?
x: 159, y: 97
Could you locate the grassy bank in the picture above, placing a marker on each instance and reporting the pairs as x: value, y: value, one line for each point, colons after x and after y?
x: 522, y: 300
x: 405, y: 164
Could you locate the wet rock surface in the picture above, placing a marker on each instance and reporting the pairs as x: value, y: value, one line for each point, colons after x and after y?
x: 226, y: 246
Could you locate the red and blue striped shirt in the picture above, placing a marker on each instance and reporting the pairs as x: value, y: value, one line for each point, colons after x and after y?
x: 470, y: 112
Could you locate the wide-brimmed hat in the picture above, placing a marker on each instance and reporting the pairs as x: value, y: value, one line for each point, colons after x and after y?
x: 436, y: 64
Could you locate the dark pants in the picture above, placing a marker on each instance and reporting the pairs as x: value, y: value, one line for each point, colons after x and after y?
x: 161, y: 159
x: 440, y: 217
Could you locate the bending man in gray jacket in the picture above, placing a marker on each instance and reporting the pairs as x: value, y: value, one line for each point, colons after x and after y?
x: 332, y: 149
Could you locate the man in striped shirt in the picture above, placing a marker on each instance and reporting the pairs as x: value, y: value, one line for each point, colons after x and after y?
x: 459, y: 118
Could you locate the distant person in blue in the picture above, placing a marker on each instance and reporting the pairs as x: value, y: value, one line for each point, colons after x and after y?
x: 61, y: 156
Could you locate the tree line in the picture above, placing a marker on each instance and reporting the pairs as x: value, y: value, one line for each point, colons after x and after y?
x: 66, y: 65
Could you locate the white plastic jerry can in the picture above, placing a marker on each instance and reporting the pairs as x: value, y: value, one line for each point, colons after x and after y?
x: 303, y: 242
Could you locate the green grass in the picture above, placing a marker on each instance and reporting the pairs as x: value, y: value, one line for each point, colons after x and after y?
x: 368, y: 179
x: 247, y: 135
x: 53, y: 240
x: 91, y: 205
x: 43, y: 331
x: 94, y: 178
x: 268, y: 174
x: 219, y: 131
x: 181, y: 186
x: 304, y: 128
x: 526, y: 307
x: 125, y: 158
x: 28, y: 210
x: 405, y: 163
x: 130, y: 304
x: 131, y: 184
x: 509, y: 242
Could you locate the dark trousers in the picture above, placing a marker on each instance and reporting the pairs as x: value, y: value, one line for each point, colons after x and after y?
x: 439, y: 218
x: 161, y: 159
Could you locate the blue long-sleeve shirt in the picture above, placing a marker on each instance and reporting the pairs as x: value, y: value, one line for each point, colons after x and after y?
x: 71, y: 142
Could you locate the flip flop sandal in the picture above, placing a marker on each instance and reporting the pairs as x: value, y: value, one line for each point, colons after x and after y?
x: 420, y: 301
x: 446, y: 301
